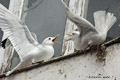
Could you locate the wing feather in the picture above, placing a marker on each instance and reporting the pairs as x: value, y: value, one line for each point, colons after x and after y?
x: 17, y: 32
x: 83, y: 25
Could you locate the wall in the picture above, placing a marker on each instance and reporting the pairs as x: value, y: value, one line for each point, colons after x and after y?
x: 75, y: 67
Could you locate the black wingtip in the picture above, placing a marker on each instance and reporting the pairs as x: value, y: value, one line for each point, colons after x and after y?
x: 3, y: 43
x: 107, y: 10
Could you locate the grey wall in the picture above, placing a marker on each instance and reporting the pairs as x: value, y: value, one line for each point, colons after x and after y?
x: 113, y: 5
x: 6, y: 4
x: 46, y: 18
x: 75, y: 67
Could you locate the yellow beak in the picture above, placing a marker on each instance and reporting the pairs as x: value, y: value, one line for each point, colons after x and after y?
x: 69, y: 38
x: 69, y: 34
x: 56, y: 42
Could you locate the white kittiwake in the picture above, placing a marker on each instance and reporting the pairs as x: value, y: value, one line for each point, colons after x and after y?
x: 27, y: 47
x: 87, y: 34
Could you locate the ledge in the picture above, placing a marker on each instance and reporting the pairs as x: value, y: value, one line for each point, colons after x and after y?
x: 107, y: 44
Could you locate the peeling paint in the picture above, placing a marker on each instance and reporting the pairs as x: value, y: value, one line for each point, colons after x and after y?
x: 61, y: 71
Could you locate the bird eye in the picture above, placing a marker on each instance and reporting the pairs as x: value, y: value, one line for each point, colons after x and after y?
x: 49, y: 38
x: 73, y: 33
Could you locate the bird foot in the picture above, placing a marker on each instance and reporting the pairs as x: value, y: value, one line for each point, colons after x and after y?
x: 101, y: 54
x: 93, y: 48
x: 8, y: 73
x: 39, y: 62
x: 77, y: 51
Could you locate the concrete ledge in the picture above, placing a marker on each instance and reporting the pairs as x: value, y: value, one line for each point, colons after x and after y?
x: 74, y: 63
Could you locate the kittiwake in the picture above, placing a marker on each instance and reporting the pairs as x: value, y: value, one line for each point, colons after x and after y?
x: 27, y: 47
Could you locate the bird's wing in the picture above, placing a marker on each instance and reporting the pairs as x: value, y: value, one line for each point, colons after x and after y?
x: 83, y: 25
x: 17, y: 32
x: 34, y: 36
x: 104, y: 21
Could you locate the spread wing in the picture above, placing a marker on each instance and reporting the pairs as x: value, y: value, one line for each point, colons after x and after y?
x: 17, y: 32
x: 83, y: 25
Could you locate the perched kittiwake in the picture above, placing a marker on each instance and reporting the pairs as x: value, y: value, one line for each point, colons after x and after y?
x: 87, y: 34
x: 27, y: 47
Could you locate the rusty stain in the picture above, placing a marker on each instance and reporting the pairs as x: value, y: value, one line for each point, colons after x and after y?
x: 65, y: 76
x: 99, y: 74
x: 29, y: 77
x: 61, y: 71
x: 40, y: 72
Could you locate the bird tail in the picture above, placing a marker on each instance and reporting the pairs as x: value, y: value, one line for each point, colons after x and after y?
x: 104, y: 21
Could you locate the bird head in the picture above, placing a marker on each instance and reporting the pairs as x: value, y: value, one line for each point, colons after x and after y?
x: 50, y: 40
x: 73, y: 35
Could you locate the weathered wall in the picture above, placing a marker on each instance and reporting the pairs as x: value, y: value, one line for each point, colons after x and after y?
x: 80, y: 67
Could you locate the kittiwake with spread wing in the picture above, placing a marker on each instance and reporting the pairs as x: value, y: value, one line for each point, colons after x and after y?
x: 27, y: 47
x: 87, y: 34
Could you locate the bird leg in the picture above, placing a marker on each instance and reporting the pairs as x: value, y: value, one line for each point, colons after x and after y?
x: 101, y: 53
x: 93, y: 48
x: 33, y: 61
x: 76, y: 51
x: 10, y: 72
x: 39, y: 62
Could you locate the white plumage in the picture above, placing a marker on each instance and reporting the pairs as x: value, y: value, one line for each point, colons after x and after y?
x: 27, y: 47
x: 87, y: 34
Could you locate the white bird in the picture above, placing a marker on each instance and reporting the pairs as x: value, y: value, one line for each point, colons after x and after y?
x: 87, y: 34
x: 28, y: 49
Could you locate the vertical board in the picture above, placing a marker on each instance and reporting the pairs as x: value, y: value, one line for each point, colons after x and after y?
x: 77, y: 7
